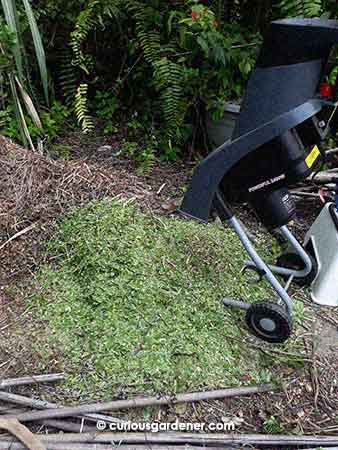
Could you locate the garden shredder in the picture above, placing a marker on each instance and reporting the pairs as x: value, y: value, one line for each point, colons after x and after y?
x: 278, y: 141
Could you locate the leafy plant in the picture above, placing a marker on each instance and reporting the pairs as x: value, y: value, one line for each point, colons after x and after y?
x: 106, y: 105
x: 143, y: 155
x: 12, y: 64
x: 173, y: 62
x: 273, y: 426
x: 304, y: 8
x: 81, y: 109
x: 53, y: 118
x: 88, y: 20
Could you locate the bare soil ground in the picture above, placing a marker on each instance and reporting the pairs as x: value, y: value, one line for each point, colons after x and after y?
x: 36, y: 191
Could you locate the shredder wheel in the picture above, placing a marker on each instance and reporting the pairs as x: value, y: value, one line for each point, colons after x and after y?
x: 269, y: 322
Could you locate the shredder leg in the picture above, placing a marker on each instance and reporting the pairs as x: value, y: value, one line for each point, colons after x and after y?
x: 260, y: 264
x: 236, y: 303
x: 299, y: 250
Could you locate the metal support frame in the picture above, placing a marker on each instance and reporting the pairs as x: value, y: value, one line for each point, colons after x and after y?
x: 258, y: 263
x: 241, y: 304
x: 299, y: 250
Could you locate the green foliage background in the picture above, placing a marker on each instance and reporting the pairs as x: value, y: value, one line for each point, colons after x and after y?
x: 167, y: 61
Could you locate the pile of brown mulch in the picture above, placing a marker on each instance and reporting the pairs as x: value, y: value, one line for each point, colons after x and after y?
x: 36, y: 190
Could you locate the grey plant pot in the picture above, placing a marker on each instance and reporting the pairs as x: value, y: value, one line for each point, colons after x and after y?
x: 220, y: 131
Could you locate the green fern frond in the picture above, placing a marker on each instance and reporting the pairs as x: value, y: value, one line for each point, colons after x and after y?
x: 301, y: 8
x: 81, y: 109
x: 149, y: 38
x: 92, y: 17
x: 168, y: 75
x: 146, y: 160
x: 68, y: 76
x: 169, y: 82
x: 86, y: 22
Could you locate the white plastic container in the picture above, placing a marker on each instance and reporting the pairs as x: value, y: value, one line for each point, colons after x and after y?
x: 323, y: 236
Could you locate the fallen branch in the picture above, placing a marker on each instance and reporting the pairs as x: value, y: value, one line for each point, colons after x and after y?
x: 25, y: 401
x: 61, y: 446
x: 70, y: 427
x: 18, y: 234
x: 41, y: 404
x: 30, y: 440
x: 11, y: 382
x: 202, y: 439
x: 140, y: 403
x: 13, y: 411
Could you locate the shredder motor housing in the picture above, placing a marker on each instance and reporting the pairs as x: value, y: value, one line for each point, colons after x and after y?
x: 276, y: 141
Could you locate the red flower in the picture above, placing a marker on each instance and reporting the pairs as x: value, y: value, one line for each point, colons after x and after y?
x: 326, y: 90
x: 195, y: 15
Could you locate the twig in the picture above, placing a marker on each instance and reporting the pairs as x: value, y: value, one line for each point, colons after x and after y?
x: 252, y: 44
x: 61, y: 446
x: 57, y: 446
x: 270, y: 351
x: 18, y: 234
x: 69, y: 426
x: 4, y: 364
x: 161, y: 189
x: 201, y: 439
x: 142, y: 402
x: 40, y: 404
x: 10, y: 410
x: 4, y: 384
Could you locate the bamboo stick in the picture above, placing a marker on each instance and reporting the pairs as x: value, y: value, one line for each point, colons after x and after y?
x: 201, y: 439
x: 140, y: 403
x: 41, y: 404
x: 4, y: 384
x: 71, y: 427
x: 72, y: 446
x: 25, y: 401
x: 11, y: 410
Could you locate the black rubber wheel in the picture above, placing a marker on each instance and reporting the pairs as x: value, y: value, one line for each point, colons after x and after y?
x: 269, y: 322
x: 295, y: 262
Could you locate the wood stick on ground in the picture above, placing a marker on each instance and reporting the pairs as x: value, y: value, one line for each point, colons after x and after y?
x: 30, y: 440
x: 141, y: 403
x: 201, y: 439
x: 41, y: 404
x: 18, y: 234
x: 11, y: 382
x: 70, y: 427
x: 61, y: 446
x: 10, y: 410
